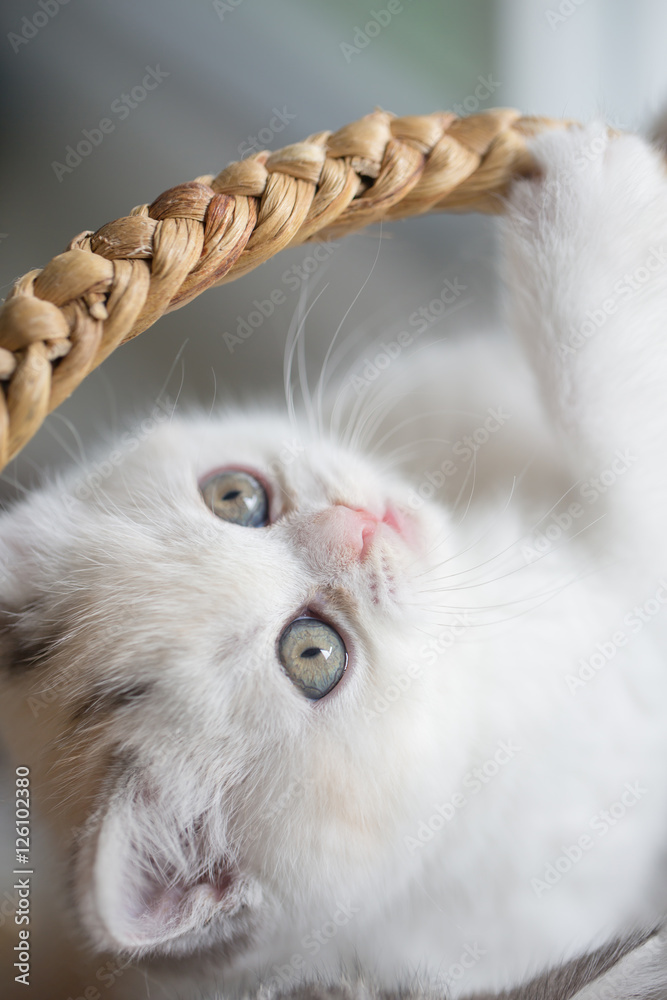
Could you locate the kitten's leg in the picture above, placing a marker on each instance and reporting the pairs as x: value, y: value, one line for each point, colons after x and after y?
x: 586, y: 265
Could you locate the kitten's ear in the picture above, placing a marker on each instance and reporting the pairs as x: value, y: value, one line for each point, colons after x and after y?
x: 146, y: 892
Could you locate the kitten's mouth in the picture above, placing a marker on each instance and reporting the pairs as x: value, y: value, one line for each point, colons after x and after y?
x: 351, y: 535
x: 372, y: 525
x: 397, y: 524
x: 395, y: 528
x: 400, y: 523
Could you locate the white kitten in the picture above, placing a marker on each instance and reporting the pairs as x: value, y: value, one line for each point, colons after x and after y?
x: 289, y: 712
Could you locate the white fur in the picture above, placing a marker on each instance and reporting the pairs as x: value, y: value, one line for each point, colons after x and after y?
x: 316, y: 809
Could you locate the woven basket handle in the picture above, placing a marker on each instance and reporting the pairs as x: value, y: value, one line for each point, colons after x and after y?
x: 59, y: 323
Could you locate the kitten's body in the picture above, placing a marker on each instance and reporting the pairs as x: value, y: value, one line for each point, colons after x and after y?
x: 484, y: 793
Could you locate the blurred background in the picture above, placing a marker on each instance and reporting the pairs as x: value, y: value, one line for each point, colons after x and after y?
x: 236, y: 75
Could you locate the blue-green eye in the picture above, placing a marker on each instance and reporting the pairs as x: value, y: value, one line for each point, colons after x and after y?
x: 236, y: 497
x: 313, y: 656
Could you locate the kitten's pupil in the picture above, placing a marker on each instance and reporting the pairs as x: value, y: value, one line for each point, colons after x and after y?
x: 313, y: 651
x: 232, y: 495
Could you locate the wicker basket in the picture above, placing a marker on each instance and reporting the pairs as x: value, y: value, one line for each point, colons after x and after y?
x: 59, y: 323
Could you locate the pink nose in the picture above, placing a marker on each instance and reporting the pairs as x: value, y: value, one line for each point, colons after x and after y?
x: 343, y: 528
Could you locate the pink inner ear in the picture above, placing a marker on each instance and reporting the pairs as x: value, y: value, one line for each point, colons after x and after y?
x: 144, y: 901
x: 160, y: 906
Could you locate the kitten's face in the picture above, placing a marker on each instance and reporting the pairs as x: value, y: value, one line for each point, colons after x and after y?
x: 211, y: 765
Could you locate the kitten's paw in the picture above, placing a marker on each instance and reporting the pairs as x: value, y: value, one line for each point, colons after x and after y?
x: 595, y: 212
x: 586, y: 172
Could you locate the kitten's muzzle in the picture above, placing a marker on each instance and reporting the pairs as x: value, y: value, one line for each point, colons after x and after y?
x: 350, y: 531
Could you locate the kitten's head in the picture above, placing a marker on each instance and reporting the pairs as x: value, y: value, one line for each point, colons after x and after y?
x: 203, y: 634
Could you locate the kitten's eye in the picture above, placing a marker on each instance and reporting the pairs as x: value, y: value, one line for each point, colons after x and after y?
x: 237, y: 497
x: 313, y: 656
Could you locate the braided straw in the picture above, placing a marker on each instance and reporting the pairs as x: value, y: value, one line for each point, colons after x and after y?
x: 59, y: 323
